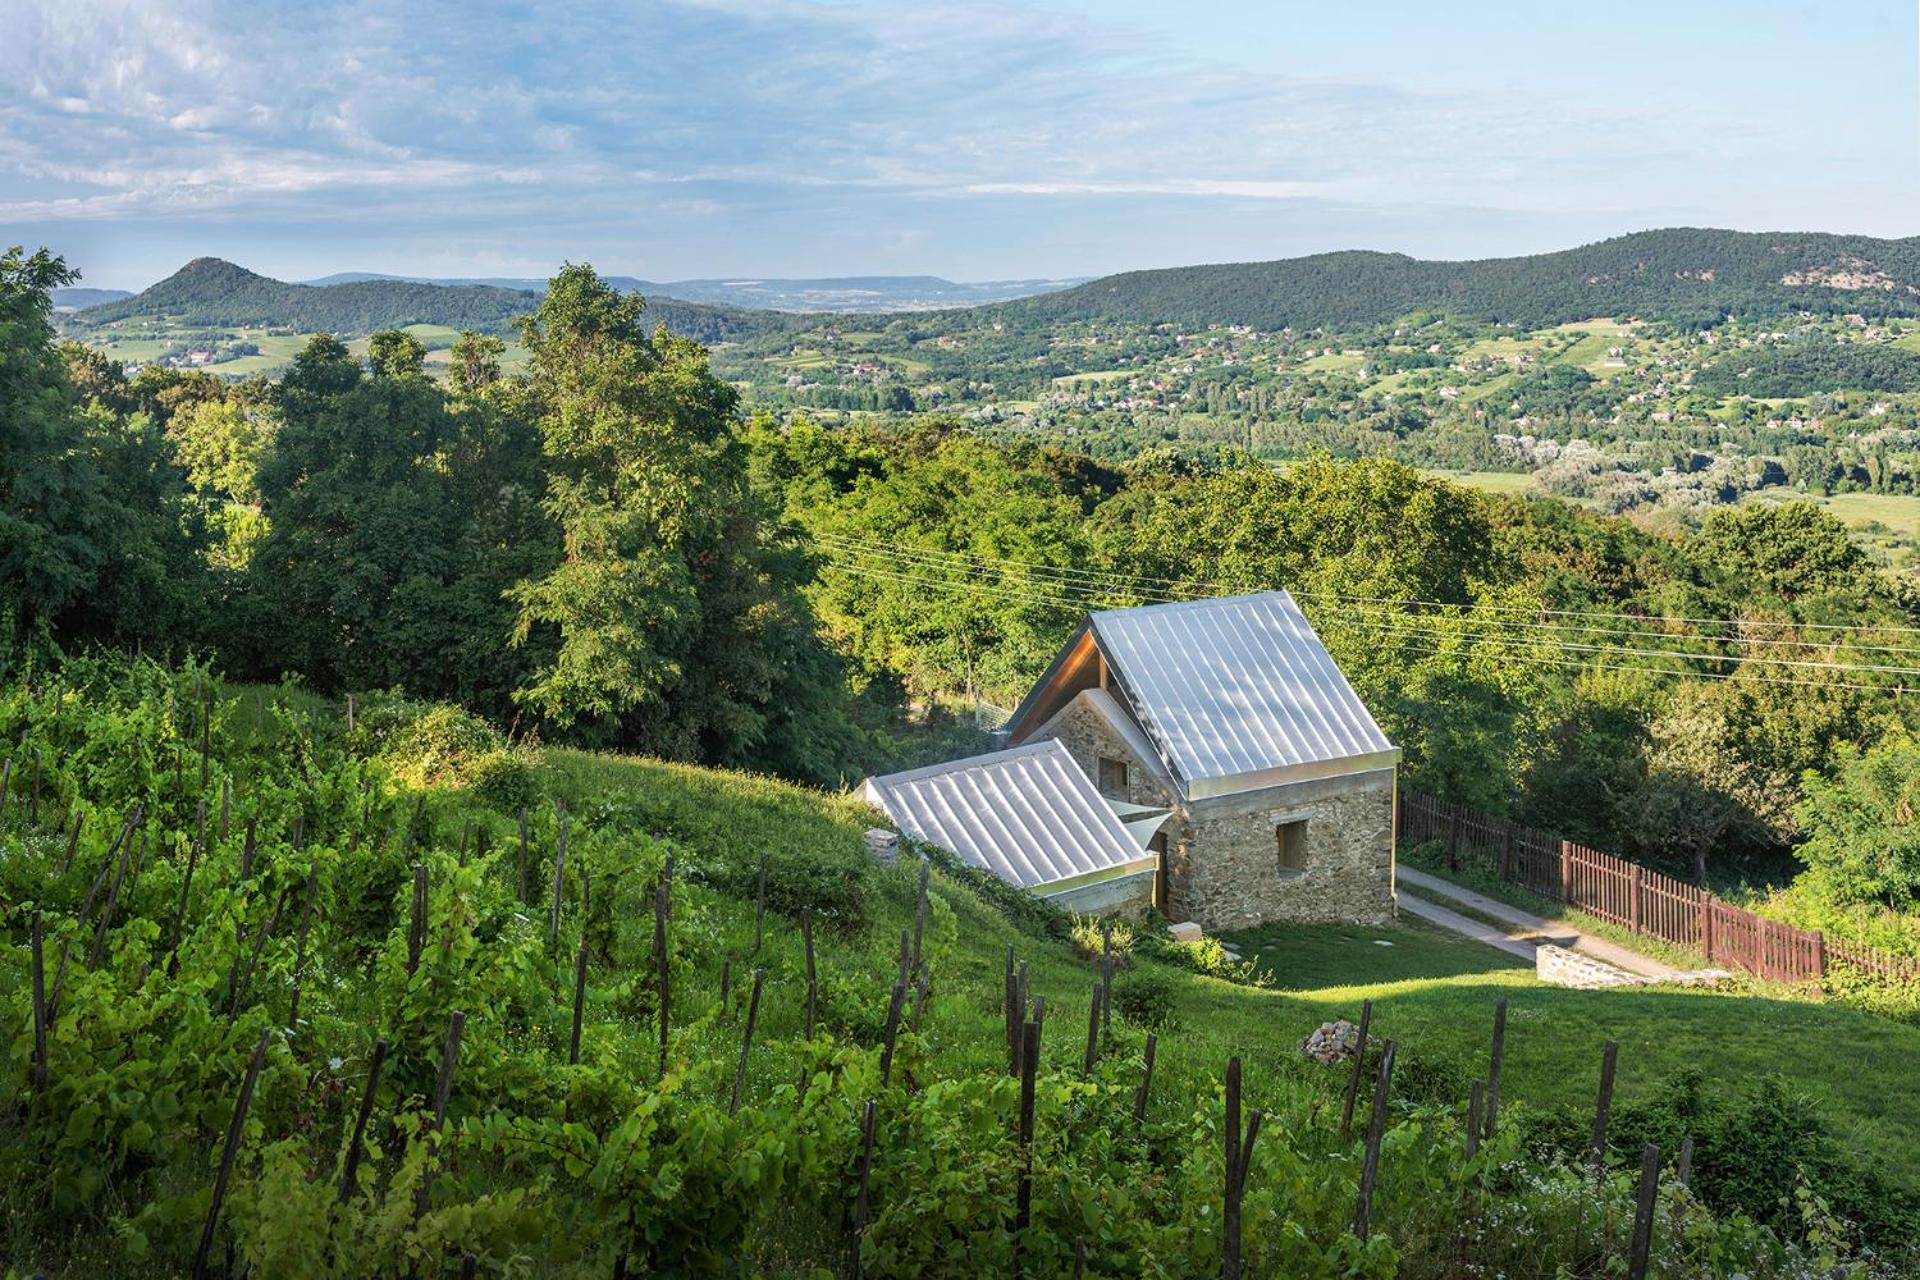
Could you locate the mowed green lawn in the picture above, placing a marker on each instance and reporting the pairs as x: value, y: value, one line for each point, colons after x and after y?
x: 1435, y: 992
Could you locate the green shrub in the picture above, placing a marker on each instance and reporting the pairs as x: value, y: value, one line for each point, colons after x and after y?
x: 1207, y: 957
x: 1091, y: 934
x: 1145, y: 998
x: 433, y: 745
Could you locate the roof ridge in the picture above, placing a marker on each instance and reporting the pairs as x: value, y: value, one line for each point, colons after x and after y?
x: 1037, y: 747
x: 1204, y: 602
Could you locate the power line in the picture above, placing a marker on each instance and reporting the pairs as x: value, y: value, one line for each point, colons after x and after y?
x: 1219, y: 588
x: 1363, y: 619
x: 1395, y: 637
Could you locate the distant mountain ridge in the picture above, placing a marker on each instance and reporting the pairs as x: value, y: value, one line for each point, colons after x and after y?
x: 211, y: 292
x: 825, y: 294
x: 1682, y: 274
x: 77, y: 297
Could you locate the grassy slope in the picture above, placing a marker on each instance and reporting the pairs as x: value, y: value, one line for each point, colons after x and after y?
x: 1432, y: 991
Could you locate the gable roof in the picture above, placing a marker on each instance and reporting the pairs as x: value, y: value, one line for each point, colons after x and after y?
x: 1236, y: 693
x: 1029, y: 815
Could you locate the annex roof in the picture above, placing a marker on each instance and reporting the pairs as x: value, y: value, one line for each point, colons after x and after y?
x: 1028, y: 814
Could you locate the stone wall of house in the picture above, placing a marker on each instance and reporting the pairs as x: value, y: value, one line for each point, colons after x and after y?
x: 1224, y: 858
x: 1087, y: 736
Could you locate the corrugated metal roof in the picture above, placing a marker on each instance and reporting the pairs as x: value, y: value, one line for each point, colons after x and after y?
x: 1029, y: 815
x: 1237, y: 686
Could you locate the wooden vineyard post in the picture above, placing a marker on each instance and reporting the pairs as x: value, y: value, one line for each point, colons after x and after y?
x: 1493, y: 1066
x: 746, y: 1040
x: 1239, y: 1155
x: 1353, y: 1078
x: 351, y: 1165
x: 579, y: 999
x: 1146, y: 1079
x: 1476, y: 1109
x: 417, y: 925
x: 245, y: 975
x: 893, y: 1031
x: 300, y: 947
x: 868, y: 1120
x: 1092, y: 1058
x: 1010, y: 1006
x: 73, y: 839
x: 905, y: 970
x: 1683, y: 1167
x: 660, y: 956
x: 559, y: 885
x: 1023, y: 1203
x: 1603, y: 1107
x: 726, y: 987
x: 1643, y: 1212
x: 920, y: 910
x: 235, y: 1128
x: 39, y: 1007
x: 449, y: 1059
x: 920, y: 989
x: 1376, y: 1127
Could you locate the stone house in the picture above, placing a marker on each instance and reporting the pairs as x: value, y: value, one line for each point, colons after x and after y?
x: 1233, y: 749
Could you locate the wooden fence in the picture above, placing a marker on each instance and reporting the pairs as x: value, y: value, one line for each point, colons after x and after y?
x: 1636, y: 898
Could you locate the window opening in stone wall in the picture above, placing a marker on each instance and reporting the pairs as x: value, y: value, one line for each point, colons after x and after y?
x: 1292, y: 838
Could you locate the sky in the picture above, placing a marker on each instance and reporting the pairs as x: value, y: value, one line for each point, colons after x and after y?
x: 671, y: 139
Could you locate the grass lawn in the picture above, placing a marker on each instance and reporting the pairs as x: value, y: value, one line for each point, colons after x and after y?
x: 1435, y: 992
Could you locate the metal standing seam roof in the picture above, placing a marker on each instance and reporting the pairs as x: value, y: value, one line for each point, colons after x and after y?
x: 1236, y: 686
x: 1029, y: 815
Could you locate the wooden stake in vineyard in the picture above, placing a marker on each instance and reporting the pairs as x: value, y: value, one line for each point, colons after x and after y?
x: 579, y: 999
x: 1023, y: 1200
x: 1376, y: 1127
x: 1493, y: 1066
x: 39, y: 1007
x: 559, y: 867
x: 746, y: 1041
x: 235, y: 1127
x: 1603, y: 1107
x: 1643, y: 1212
x: 449, y: 1059
x: 1359, y: 1065
x: 1146, y: 1078
x: 1239, y: 1154
x: 355, y: 1145
x: 893, y: 1030
x: 813, y: 985
x: 417, y: 924
x: 760, y: 908
x: 920, y: 911
x: 868, y: 1122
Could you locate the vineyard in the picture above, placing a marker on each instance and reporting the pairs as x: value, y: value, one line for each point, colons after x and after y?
x: 306, y: 989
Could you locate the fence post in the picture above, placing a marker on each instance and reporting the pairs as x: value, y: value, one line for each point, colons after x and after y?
x: 1706, y: 926
x: 1633, y: 908
x: 1819, y: 953
x: 1453, y: 840
x: 1566, y: 871
x: 1506, y: 856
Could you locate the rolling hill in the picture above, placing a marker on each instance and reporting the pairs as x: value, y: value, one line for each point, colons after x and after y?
x: 76, y: 299
x: 209, y: 292
x: 1684, y: 275
x: 827, y: 294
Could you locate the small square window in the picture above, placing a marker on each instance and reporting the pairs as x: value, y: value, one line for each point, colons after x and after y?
x: 1113, y: 777
x: 1292, y: 837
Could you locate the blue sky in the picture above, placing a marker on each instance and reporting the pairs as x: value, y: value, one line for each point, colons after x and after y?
x: 973, y: 140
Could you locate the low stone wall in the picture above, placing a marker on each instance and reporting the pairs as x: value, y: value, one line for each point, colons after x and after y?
x: 1563, y: 968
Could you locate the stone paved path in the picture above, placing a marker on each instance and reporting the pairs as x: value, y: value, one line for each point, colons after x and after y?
x: 1520, y: 930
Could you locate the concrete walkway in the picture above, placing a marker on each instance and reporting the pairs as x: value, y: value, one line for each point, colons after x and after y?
x: 1521, y: 930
